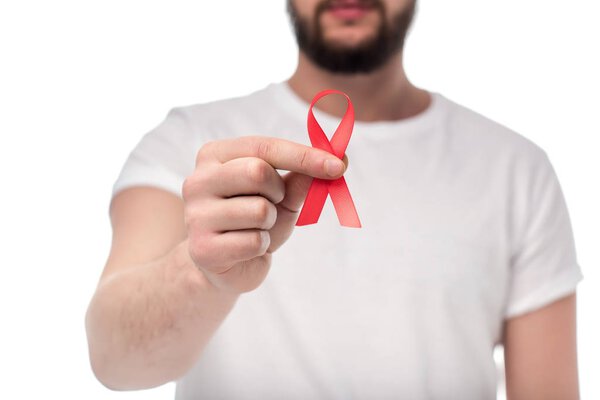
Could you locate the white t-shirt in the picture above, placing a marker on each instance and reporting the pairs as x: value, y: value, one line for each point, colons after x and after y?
x: 464, y: 225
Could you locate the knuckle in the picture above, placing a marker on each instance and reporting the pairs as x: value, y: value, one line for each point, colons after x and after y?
x: 207, y: 255
x: 258, y: 171
x: 258, y: 242
x: 300, y: 185
x: 189, y: 218
x: 196, y: 217
x: 303, y: 158
x: 260, y: 211
x: 205, y: 151
x: 280, y: 190
x: 200, y: 181
x: 263, y: 148
x: 187, y: 188
x: 263, y: 212
x: 200, y: 250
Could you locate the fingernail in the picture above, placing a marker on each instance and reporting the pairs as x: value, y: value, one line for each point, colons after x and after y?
x: 334, y: 167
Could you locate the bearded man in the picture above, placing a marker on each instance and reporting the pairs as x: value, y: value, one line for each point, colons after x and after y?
x: 465, y: 244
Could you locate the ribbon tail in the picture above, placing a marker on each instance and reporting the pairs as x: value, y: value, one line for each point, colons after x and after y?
x: 342, y: 201
x: 314, y: 202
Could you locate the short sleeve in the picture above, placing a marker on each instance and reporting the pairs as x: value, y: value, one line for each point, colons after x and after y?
x: 162, y: 158
x: 544, y: 264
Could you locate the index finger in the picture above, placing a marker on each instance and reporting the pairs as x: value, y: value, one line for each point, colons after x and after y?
x: 280, y: 154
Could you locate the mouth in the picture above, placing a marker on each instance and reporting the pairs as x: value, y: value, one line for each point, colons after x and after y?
x: 349, y: 10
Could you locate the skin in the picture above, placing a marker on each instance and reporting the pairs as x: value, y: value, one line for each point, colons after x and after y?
x: 540, y: 351
x: 176, y: 267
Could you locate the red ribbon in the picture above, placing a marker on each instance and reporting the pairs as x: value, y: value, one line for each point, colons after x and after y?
x: 337, y: 188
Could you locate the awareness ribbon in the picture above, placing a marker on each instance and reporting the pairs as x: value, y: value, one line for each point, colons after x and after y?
x: 337, y: 188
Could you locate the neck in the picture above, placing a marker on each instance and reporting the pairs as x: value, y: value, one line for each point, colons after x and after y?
x: 385, y: 94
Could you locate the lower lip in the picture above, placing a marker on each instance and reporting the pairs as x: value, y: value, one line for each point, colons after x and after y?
x: 348, y: 13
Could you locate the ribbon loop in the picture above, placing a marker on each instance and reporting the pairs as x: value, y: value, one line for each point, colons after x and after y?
x: 337, y: 188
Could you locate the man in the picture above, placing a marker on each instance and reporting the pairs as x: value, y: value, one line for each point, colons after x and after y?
x: 466, y: 241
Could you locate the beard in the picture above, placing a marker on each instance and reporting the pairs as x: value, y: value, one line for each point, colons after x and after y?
x: 363, y: 58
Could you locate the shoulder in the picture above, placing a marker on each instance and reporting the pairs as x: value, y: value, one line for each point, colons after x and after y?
x: 478, y: 134
x: 220, y: 118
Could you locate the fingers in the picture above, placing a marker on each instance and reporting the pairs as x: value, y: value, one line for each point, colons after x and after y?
x: 279, y: 153
x: 238, y: 177
x: 238, y: 208
x: 249, y: 176
x: 236, y: 213
x: 233, y: 247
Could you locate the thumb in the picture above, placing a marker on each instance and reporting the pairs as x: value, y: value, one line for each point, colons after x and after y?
x: 296, y: 189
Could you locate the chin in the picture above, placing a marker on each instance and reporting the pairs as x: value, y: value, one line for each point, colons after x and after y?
x: 349, y: 36
x: 345, y: 43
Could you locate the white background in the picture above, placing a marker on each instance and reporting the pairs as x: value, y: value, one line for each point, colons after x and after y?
x: 82, y: 81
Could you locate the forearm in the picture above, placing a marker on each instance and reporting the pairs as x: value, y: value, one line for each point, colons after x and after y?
x: 148, y: 324
x: 540, y: 349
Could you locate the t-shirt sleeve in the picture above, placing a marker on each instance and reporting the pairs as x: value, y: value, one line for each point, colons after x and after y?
x: 544, y: 264
x: 162, y: 158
